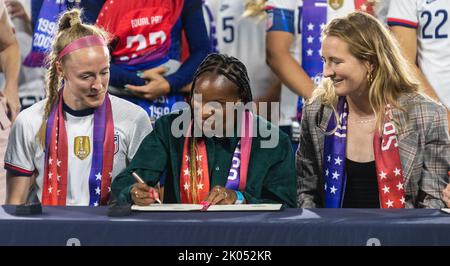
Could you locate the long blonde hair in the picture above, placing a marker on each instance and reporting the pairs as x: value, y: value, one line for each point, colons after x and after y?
x: 368, y: 40
x: 69, y: 29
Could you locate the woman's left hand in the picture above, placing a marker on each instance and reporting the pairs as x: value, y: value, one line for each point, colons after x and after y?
x: 446, y: 195
x: 157, y: 85
x: 221, y: 196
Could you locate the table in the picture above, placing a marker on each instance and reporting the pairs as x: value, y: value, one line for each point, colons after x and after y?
x: 289, y: 227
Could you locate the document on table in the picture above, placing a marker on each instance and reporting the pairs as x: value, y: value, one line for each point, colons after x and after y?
x: 446, y: 210
x: 198, y: 207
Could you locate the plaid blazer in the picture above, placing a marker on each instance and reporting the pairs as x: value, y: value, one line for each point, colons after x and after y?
x: 424, y: 151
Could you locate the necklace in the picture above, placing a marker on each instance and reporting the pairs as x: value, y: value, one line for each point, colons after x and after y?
x: 364, y: 120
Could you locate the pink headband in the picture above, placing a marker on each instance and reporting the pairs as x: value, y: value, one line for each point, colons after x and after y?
x: 83, y: 42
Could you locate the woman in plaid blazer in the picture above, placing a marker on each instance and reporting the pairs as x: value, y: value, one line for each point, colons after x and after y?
x: 369, y: 138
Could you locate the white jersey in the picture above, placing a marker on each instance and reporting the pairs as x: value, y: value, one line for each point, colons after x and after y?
x: 241, y: 37
x: 288, y: 100
x: 431, y: 19
x: 24, y: 153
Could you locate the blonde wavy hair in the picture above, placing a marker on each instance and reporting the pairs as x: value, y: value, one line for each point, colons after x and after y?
x: 255, y: 8
x: 69, y: 29
x: 368, y: 40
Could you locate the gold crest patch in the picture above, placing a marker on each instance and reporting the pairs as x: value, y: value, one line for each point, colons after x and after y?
x: 336, y: 4
x: 82, y: 147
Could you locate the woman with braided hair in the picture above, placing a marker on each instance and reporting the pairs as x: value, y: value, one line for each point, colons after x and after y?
x: 70, y: 146
x: 218, y: 156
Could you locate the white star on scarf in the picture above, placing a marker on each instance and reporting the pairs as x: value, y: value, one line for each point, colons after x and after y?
x: 399, y: 185
x: 402, y: 200
x: 186, y: 171
x: 98, y: 176
x: 187, y: 158
x: 327, y: 172
x: 329, y: 158
x: 322, y: 25
x: 382, y: 175
x: 200, y: 186
x: 97, y: 191
x: 309, y: 52
x: 50, y: 160
x: 199, y: 158
x: 58, y: 191
x: 325, y: 186
x: 186, y: 186
x: 390, y: 204
x: 337, y: 160
x: 50, y: 175
x: 310, y: 26
x: 96, y: 203
x: 397, y: 171
x: 58, y: 177
x: 386, y: 189
x: 58, y: 163
x: 363, y: 7
x: 310, y: 39
x: 50, y: 190
x: 335, y: 175
x: 199, y: 171
x: 333, y: 190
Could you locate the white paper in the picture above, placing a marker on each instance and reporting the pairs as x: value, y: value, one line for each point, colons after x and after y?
x: 446, y: 210
x: 198, y: 207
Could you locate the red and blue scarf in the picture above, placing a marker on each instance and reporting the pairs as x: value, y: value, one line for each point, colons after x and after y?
x: 387, y: 160
x: 237, y: 177
x: 56, y: 156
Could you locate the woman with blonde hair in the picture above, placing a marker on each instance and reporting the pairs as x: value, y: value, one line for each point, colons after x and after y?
x: 70, y: 146
x: 369, y: 138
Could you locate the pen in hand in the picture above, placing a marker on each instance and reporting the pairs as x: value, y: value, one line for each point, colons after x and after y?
x: 139, y: 179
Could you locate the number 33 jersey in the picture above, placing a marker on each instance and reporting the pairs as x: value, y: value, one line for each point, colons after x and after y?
x: 431, y: 19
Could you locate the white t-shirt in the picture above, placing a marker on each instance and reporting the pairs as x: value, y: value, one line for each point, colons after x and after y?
x: 241, y: 37
x: 288, y: 101
x: 432, y: 21
x: 24, y: 153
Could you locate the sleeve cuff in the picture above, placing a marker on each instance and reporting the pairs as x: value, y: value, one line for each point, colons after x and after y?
x: 17, y: 171
x: 402, y: 22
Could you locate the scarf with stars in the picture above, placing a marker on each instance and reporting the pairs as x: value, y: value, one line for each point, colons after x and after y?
x: 387, y: 160
x: 56, y: 156
x: 194, y: 176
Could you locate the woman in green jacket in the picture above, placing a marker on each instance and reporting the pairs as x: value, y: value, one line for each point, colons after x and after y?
x: 212, y: 157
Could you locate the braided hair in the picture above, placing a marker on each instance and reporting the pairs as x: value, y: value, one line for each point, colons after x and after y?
x: 70, y: 27
x: 235, y: 71
x: 230, y: 67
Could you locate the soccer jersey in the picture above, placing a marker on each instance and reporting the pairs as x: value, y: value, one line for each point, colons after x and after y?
x: 25, y: 156
x: 148, y: 33
x: 241, y: 37
x: 304, y: 20
x: 430, y: 18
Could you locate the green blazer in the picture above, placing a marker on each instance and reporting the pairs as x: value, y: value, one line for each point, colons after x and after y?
x: 271, y: 173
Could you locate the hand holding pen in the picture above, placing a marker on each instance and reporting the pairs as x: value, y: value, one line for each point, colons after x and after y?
x: 142, y: 194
